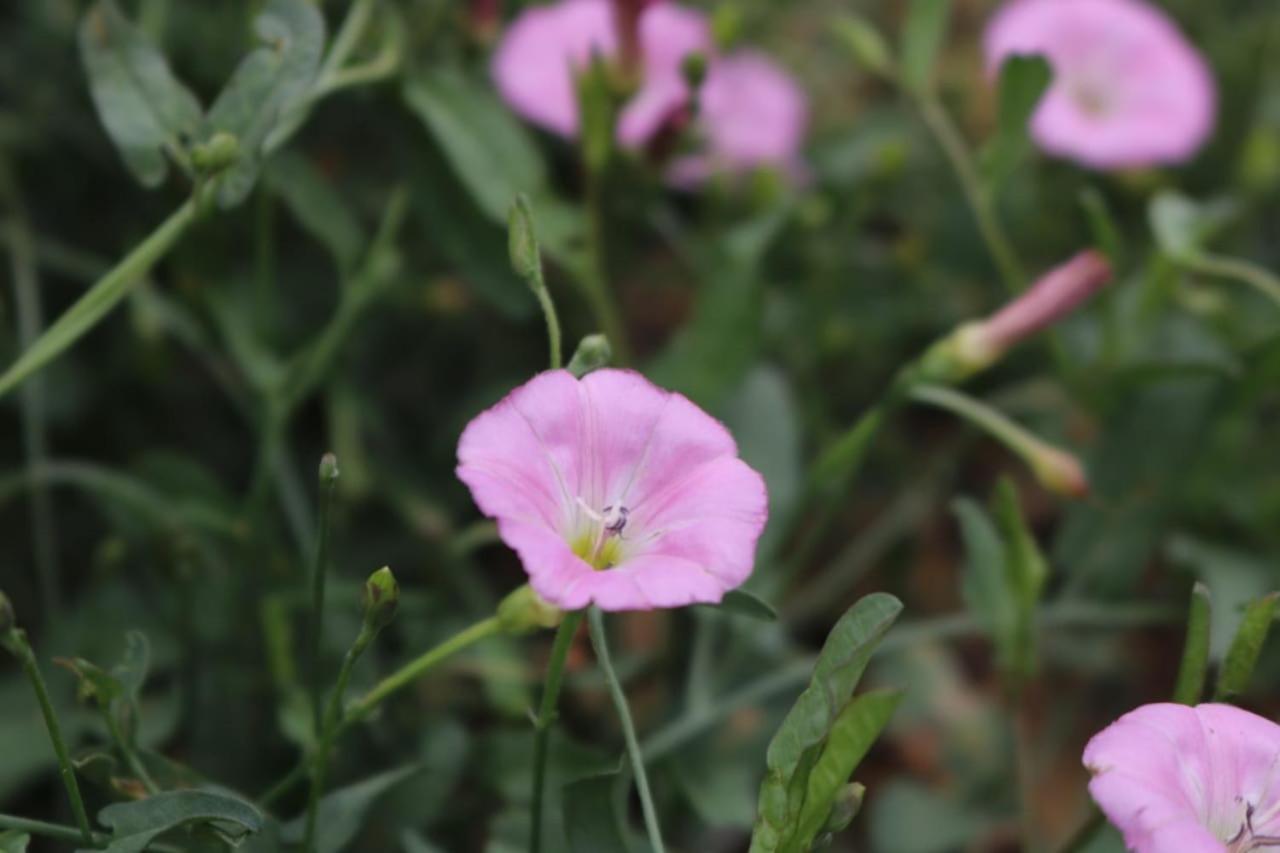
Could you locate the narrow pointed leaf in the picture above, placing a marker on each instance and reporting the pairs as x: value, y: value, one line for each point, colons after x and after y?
x: 1241, y: 658
x: 922, y: 36
x: 143, y: 106
x: 1195, y: 653
x: 985, y: 584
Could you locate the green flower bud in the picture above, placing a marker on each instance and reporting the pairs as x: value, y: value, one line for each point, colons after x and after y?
x: 523, y: 611
x: 845, y: 807
x: 694, y: 69
x: 8, y: 621
x: 381, y: 598
x: 522, y: 241
x: 328, y: 469
x: 593, y: 353
x: 219, y: 153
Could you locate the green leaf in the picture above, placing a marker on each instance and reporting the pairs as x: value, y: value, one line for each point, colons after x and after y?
x: 1023, y: 82
x: 1195, y: 653
x: 1102, y: 224
x: 592, y: 819
x: 921, y: 38
x: 864, y: 42
x: 270, y: 80
x: 985, y: 584
x: 744, y: 603
x: 1182, y: 226
x: 135, y: 825
x: 313, y: 202
x: 1027, y: 570
x: 852, y: 735
x: 342, y: 812
x: 144, y: 108
x: 1241, y: 658
x: 800, y: 739
x: 14, y: 842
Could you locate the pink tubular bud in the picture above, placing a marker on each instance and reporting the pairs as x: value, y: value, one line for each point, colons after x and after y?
x: 1058, y: 292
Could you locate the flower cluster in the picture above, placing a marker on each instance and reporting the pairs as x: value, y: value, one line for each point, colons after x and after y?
x: 750, y: 113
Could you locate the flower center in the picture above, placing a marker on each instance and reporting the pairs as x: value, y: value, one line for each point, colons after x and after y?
x: 1246, y: 839
x: 599, y: 542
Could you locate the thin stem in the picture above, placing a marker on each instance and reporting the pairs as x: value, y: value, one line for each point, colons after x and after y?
x: 596, y: 278
x: 553, y: 321
x: 1263, y: 280
x: 319, y: 572
x: 328, y: 733
x: 348, y: 37
x: 50, y: 830
x: 1080, y: 838
x: 129, y: 754
x: 957, y: 152
x: 595, y: 622
x: 546, y: 717
x: 18, y: 644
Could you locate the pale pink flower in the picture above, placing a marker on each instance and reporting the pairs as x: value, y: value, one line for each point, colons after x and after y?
x: 615, y: 492
x: 1128, y: 89
x: 753, y: 113
x: 1176, y: 779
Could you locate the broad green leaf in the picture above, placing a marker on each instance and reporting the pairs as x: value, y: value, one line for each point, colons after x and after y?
x: 1195, y: 653
x: 592, y: 820
x: 985, y: 584
x: 1023, y: 81
x: 105, y: 294
x: 274, y: 77
x: 1242, y: 657
x: 852, y: 735
x: 13, y: 841
x: 748, y: 604
x: 342, y: 812
x: 147, y: 112
x: 922, y: 36
x: 134, y: 825
x: 313, y: 202
x: 799, y: 741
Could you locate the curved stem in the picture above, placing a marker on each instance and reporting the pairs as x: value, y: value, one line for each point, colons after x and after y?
x: 600, y: 643
x: 1261, y: 279
x: 319, y: 572
x: 546, y: 716
x: 58, y: 831
x: 21, y: 648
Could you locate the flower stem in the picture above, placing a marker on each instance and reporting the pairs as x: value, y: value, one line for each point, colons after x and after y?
x: 995, y: 423
x: 546, y: 717
x: 319, y: 571
x: 328, y: 733
x: 1263, y: 280
x: 18, y: 644
x: 50, y: 830
x: 634, y: 755
x: 596, y: 278
x: 957, y: 152
x: 129, y: 754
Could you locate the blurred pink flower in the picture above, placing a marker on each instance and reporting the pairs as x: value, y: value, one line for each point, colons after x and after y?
x: 1176, y: 779
x: 1128, y: 89
x: 615, y: 492
x: 754, y: 114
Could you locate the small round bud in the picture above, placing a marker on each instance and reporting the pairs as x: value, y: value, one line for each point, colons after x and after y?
x: 523, y: 611
x: 217, y: 154
x: 328, y: 468
x: 522, y: 241
x: 8, y: 621
x: 381, y: 598
x: 593, y: 353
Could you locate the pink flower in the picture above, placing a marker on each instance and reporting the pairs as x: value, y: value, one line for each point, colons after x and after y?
x: 753, y: 114
x: 1176, y: 779
x: 615, y: 492
x: 1128, y: 89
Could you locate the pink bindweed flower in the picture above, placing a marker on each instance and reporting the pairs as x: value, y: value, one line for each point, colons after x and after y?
x: 752, y: 113
x: 615, y: 492
x: 1176, y: 779
x: 1128, y: 89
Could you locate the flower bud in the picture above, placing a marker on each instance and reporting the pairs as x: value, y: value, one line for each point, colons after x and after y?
x: 381, y: 598
x: 866, y: 43
x: 845, y: 807
x: 328, y: 469
x: 522, y: 242
x: 593, y: 353
x: 1059, y: 471
x: 219, y: 153
x: 523, y: 611
x: 694, y: 70
x: 8, y: 621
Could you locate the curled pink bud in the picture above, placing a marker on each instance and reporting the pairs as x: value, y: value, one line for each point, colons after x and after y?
x: 1058, y: 292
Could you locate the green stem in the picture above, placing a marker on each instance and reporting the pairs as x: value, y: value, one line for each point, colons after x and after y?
x: 549, y: 314
x: 59, y: 831
x: 957, y: 152
x: 329, y: 733
x: 18, y: 644
x: 104, y: 295
x: 319, y: 572
x: 1084, y: 833
x: 596, y: 278
x: 1264, y: 281
x: 546, y: 717
x: 129, y: 754
x: 595, y: 622
x: 347, y: 38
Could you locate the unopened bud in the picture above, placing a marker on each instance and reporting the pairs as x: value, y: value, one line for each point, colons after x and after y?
x: 522, y: 241
x: 8, y: 621
x: 381, y: 598
x: 217, y: 154
x: 1059, y: 471
x: 523, y: 611
x: 845, y: 807
x: 328, y: 469
x: 866, y: 43
x: 593, y: 353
